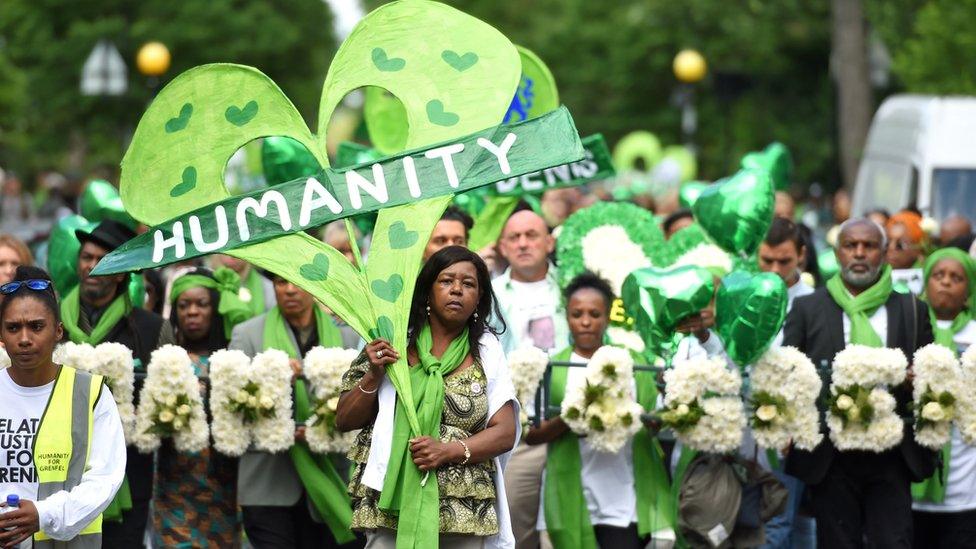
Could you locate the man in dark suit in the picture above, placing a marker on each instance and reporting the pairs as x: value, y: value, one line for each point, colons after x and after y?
x: 861, y: 496
x: 96, y: 311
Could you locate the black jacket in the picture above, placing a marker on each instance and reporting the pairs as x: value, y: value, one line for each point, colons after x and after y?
x: 815, y: 325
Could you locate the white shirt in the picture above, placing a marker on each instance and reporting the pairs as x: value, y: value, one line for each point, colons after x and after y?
x: 64, y: 514
x: 608, y: 479
x: 500, y: 392
x: 799, y: 289
x: 911, y: 278
x: 533, y: 312
x: 960, y: 492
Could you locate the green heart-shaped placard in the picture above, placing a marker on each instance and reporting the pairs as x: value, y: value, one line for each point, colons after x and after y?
x: 187, y: 183
x: 317, y: 270
x: 386, y: 63
x: 241, y: 116
x: 389, y: 289
x: 178, y: 123
x: 749, y: 312
x: 737, y: 212
x: 437, y: 115
x: 459, y: 62
x: 400, y: 237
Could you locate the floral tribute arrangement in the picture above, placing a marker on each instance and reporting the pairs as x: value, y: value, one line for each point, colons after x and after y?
x: 785, y: 387
x: 966, y: 406
x: 171, y: 404
x: 114, y: 362
x: 251, y: 402
x: 527, y: 366
x: 324, y: 368
x: 703, y: 405
x: 603, y: 405
x: 861, y: 409
x: 938, y: 387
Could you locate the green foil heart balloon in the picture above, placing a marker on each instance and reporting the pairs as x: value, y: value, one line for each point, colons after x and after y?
x: 659, y: 299
x: 737, y: 212
x: 689, y: 192
x: 100, y: 201
x: 62, y: 251
x: 285, y: 159
x: 749, y: 312
x: 776, y: 160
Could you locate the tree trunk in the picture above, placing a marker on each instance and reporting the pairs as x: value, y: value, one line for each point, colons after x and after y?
x: 854, y: 102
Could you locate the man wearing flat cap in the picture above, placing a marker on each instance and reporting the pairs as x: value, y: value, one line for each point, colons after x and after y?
x: 99, y: 310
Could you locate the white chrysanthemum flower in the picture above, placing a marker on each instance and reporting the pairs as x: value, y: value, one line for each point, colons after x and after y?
x: 786, y: 373
x: 170, y: 378
x: 937, y: 372
x: 708, y: 256
x: 527, y: 365
x: 324, y: 368
x: 610, y: 253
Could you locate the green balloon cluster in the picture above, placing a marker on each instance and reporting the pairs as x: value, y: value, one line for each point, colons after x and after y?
x: 689, y: 192
x: 776, y: 160
x: 658, y: 299
x: 100, y: 200
x: 736, y: 212
x: 749, y: 312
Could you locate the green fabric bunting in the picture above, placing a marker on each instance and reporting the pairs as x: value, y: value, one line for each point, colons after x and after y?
x: 408, y: 493
x: 228, y: 285
x: 322, y: 482
x: 71, y: 308
x: 860, y: 308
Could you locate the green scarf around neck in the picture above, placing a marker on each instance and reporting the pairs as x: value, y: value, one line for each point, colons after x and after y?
x: 407, y: 492
x: 323, y: 484
x: 860, y: 308
x: 227, y: 283
x: 566, y: 512
x: 933, y: 488
x: 255, y: 288
x: 118, y: 309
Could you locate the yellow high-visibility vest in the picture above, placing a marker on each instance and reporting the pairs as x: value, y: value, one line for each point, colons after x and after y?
x: 62, y: 445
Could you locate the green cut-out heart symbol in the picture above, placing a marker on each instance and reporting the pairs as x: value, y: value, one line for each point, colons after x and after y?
x: 174, y: 125
x: 460, y: 63
x: 188, y: 184
x: 437, y: 115
x: 389, y: 289
x: 400, y: 237
x: 317, y: 270
x: 387, y: 64
x: 384, y: 328
x: 239, y: 117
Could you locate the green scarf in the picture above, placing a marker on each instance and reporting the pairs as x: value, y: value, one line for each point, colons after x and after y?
x: 407, y: 492
x: 933, y: 488
x: 322, y: 482
x: 567, y: 516
x: 228, y: 285
x: 71, y: 309
x: 255, y: 286
x: 859, y: 309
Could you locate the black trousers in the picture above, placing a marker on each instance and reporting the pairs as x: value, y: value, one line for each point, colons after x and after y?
x: 864, y: 500
x: 289, y: 528
x: 131, y: 532
x: 945, y: 530
x: 615, y: 537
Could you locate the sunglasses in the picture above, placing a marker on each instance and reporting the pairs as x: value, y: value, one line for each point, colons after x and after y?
x: 36, y: 284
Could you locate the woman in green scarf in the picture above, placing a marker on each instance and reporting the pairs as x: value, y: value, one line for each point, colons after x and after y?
x: 591, y: 498
x: 444, y: 489
x: 195, y: 496
x: 945, y: 504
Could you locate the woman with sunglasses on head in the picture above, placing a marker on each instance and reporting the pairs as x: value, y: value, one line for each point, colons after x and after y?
x: 195, y: 496
x: 61, y: 445
x: 443, y: 488
x: 944, y: 509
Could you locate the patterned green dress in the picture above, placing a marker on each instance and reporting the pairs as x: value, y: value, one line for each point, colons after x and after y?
x: 467, y: 492
x: 195, y: 497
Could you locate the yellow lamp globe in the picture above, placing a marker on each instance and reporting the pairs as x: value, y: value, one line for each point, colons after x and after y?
x: 689, y: 66
x: 153, y: 59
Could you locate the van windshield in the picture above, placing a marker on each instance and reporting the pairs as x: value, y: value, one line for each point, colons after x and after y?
x: 954, y: 192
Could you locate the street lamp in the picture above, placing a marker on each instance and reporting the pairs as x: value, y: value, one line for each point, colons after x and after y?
x: 153, y: 61
x: 689, y: 68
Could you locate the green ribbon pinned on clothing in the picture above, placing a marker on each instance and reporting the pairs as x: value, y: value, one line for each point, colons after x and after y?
x: 860, y: 308
x: 407, y: 492
x: 228, y: 284
x: 71, y: 309
x: 324, y: 486
x: 566, y: 512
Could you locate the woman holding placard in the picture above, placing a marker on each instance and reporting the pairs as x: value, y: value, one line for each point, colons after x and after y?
x: 445, y: 487
x: 945, y: 504
x: 195, y: 496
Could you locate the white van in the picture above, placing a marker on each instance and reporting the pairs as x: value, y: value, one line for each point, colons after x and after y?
x: 921, y: 150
